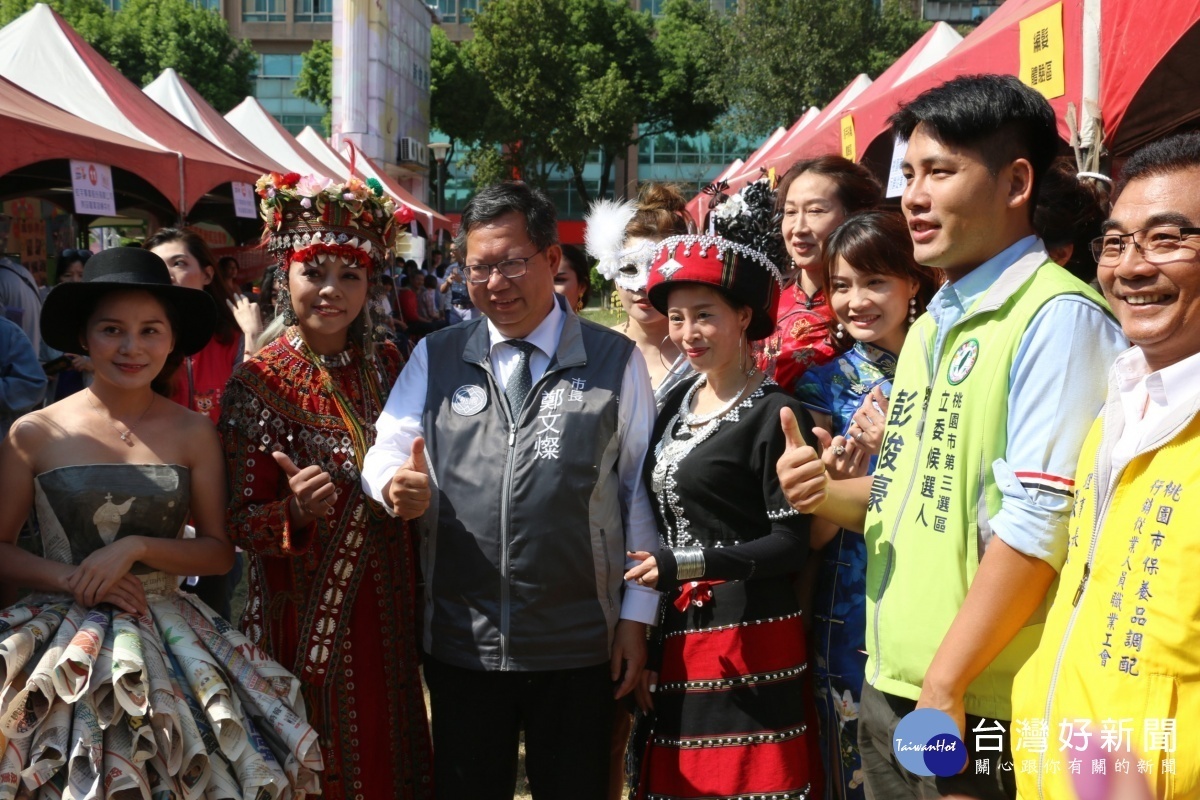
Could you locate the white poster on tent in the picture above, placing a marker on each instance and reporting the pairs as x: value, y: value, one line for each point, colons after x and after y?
x: 93, y: 187
x: 243, y: 200
x: 895, y: 184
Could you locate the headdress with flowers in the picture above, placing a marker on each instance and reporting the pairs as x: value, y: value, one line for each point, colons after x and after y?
x: 312, y: 218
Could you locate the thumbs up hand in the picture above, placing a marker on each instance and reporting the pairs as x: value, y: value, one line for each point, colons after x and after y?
x: 313, y: 492
x: 801, y: 472
x: 408, y: 491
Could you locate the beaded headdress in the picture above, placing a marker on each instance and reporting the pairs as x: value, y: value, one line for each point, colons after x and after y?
x: 312, y: 218
x: 741, y: 258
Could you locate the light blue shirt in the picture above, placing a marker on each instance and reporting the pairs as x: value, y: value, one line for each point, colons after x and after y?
x: 1057, y: 386
x: 22, y: 381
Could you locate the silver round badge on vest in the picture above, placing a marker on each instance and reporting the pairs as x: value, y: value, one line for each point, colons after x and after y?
x: 468, y: 400
x: 962, y: 362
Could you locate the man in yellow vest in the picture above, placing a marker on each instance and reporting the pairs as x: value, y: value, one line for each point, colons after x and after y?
x: 965, y: 516
x: 1118, y: 667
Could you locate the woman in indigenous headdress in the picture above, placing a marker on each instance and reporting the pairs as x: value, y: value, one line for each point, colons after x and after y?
x: 114, y: 683
x: 331, y: 575
x: 813, y: 197
x: 621, y: 237
x: 731, y: 705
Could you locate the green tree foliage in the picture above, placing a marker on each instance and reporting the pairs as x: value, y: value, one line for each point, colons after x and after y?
x: 315, y: 81
x: 782, y: 56
x: 551, y: 81
x: 91, y: 18
x: 147, y: 36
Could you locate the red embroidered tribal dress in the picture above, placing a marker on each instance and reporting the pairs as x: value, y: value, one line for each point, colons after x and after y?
x: 802, y: 337
x: 335, y: 601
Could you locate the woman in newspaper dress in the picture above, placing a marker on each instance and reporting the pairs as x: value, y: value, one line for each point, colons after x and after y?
x: 332, y: 578
x: 115, y: 684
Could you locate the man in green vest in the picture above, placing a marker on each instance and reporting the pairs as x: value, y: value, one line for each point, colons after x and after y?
x: 965, y: 516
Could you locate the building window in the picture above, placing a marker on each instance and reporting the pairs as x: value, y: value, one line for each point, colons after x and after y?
x: 453, y: 11
x: 314, y: 11
x: 274, y: 87
x: 211, y: 5
x: 263, y: 11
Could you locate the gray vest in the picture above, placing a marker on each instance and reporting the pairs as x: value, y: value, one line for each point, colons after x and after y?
x: 523, y: 546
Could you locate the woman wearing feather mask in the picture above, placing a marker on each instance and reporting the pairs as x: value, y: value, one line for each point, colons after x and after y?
x: 621, y: 237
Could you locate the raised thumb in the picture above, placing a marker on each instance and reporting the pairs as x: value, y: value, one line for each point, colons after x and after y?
x: 791, y: 429
x: 286, y: 464
x: 824, y: 438
x: 418, y: 455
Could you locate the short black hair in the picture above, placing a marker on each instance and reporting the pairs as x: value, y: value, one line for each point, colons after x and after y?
x: 1169, y: 154
x: 996, y: 115
x: 493, y: 202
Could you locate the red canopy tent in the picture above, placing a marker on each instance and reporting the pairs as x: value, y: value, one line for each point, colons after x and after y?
x: 184, y: 103
x: 1148, y: 70
x: 992, y: 47
x: 46, y: 133
x: 826, y: 136
x: 40, y: 52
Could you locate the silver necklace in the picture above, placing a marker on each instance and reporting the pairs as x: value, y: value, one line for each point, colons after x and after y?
x: 697, y: 419
x: 109, y: 419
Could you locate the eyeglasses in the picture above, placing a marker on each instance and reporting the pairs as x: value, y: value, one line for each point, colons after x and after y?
x: 1157, y: 245
x: 509, y: 268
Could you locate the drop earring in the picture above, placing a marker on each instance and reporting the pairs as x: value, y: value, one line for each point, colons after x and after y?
x: 840, y: 331
x: 912, y: 310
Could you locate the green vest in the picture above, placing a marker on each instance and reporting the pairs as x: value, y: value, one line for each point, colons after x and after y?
x: 934, y: 490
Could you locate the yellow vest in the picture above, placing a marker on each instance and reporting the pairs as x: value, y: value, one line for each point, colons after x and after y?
x: 1121, y: 645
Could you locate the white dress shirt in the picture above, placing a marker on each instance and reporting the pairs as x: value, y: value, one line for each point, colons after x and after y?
x: 1147, y: 399
x: 401, y: 423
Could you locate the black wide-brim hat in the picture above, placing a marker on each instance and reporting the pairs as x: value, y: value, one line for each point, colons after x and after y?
x: 68, y: 305
x: 743, y: 274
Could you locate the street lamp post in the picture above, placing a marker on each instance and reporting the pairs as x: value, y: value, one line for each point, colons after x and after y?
x: 440, y: 150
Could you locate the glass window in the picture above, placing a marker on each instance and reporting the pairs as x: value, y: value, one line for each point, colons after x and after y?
x: 447, y: 10
x: 314, y: 11
x: 263, y: 11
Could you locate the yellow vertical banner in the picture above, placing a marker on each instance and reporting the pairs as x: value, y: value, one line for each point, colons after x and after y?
x: 1042, y: 59
x: 849, y: 151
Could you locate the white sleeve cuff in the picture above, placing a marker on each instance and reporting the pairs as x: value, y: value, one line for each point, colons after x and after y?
x: 640, y: 604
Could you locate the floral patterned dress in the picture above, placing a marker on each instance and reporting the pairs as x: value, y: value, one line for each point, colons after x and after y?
x: 802, y: 338
x: 837, y: 389
x: 335, y: 600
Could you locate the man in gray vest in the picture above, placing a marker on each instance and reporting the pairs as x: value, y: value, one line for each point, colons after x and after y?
x: 517, y: 440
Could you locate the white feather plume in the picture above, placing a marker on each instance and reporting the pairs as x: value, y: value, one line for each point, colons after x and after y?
x: 604, y: 236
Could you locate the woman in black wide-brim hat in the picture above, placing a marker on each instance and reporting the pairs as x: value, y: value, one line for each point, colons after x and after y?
x: 104, y: 657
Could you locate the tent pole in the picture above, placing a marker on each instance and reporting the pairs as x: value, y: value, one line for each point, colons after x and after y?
x: 182, y: 192
x: 1091, y: 137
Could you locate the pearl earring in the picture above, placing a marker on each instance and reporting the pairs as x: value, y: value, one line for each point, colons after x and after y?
x: 912, y: 310
x: 841, y: 331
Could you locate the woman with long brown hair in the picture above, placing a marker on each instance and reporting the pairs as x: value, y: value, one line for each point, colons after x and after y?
x: 876, y: 291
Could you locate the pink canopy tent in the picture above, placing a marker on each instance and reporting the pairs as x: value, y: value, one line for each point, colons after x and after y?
x: 41, y: 53
x: 184, y: 103
x: 826, y: 136
x: 365, y: 168
x: 254, y: 122
x: 46, y: 133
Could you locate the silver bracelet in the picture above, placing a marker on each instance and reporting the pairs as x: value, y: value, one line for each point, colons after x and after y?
x: 689, y: 562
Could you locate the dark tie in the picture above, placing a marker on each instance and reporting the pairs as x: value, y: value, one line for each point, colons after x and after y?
x: 520, y: 381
